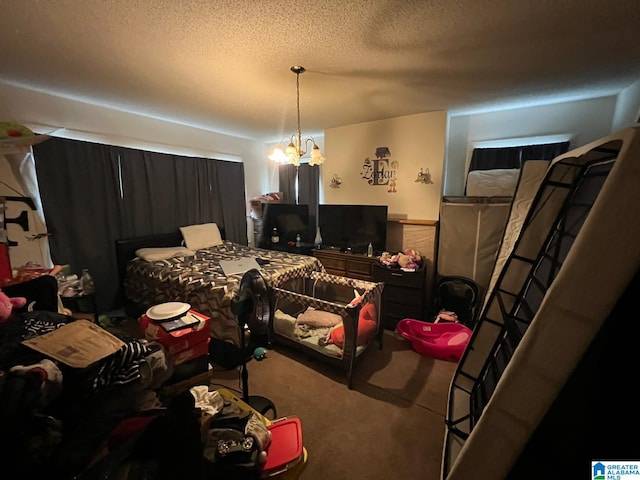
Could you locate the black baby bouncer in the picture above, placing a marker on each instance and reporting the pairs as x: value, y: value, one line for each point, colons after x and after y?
x: 459, y: 297
x: 252, y: 307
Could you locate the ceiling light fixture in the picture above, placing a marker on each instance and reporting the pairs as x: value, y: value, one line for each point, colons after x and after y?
x: 296, y: 149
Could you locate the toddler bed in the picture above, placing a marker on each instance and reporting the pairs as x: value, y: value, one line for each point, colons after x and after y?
x: 330, y: 317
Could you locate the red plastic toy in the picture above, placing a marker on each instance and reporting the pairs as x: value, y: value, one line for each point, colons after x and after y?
x: 445, y: 341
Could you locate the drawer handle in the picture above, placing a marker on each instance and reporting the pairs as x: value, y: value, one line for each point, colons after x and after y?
x: 396, y: 274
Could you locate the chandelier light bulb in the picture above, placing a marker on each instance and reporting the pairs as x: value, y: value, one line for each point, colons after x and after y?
x: 316, y: 156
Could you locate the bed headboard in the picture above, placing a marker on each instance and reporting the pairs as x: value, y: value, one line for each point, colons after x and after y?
x: 126, y: 248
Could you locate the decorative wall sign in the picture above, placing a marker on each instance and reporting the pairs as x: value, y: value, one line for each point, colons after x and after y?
x: 336, y: 181
x: 424, y: 177
x: 23, y: 219
x: 381, y: 171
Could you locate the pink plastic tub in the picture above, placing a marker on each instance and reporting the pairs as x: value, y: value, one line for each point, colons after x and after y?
x: 445, y: 341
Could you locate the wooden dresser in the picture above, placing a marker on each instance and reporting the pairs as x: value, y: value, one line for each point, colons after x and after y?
x: 403, y: 295
x: 352, y: 265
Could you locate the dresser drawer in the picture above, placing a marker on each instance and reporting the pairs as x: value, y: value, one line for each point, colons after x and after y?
x: 331, y: 271
x: 403, y: 311
x: 391, y: 315
x: 399, y: 278
x: 351, y: 265
x: 402, y: 295
x: 331, y: 263
x: 355, y: 266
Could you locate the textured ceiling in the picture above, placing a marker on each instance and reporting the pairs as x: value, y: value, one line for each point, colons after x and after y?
x: 223, y: 65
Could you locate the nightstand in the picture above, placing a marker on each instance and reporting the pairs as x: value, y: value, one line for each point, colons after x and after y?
x: 403, y: 295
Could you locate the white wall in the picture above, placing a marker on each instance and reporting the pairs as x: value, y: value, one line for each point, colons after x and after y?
x: 584, y: 121
x: 428, y: 141
x: 99, y: 123
x: 627, y: 107
x: 414, y: 141
x: 44, y: 113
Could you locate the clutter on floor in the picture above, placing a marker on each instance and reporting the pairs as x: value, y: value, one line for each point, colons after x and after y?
x: 84, y: 402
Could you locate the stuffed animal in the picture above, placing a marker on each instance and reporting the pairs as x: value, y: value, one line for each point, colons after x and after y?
x: 8, y: 304
x: 409, y: 259
x: 367, y: 323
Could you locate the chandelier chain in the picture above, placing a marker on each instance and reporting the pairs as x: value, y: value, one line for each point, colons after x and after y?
x: 298, y: 108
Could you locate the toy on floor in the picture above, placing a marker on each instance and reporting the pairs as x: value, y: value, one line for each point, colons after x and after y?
x: 8, y: 304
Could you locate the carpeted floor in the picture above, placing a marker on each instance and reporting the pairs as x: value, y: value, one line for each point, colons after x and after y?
x: 389, y: 426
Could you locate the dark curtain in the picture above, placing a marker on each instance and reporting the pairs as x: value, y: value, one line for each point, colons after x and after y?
x: 83, y: 209
x: 547, y: 151
x: 195, y: 190
x: 188, y: 191
x: 94, y: 194
x: 230, y: 194
x: 513, y: 157
x: 287, y: 175
x: 490, y: 158
x: 309, y: 190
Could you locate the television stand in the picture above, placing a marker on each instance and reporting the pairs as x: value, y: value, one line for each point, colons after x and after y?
x: 303, y: 249
x: 351, y: 265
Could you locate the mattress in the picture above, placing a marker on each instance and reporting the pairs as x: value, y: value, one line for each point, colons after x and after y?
x: 498, y: 182
x: 197, y: 278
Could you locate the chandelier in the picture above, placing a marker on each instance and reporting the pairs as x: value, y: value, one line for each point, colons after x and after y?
x: 296, y: 148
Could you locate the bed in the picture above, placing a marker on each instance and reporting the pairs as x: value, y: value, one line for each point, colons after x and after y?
x: 176, y: 271
x: 312, y: 310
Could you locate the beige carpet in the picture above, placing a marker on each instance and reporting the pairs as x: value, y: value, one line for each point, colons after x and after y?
x: 389, y: 426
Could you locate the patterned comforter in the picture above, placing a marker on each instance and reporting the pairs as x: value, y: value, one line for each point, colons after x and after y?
x: 199, y: 281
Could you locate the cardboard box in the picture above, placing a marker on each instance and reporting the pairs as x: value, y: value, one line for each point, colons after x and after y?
x: 178, y: 340
x: 77, y: 344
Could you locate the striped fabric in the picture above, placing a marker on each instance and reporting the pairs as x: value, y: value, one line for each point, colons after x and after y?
x: 122, y: 367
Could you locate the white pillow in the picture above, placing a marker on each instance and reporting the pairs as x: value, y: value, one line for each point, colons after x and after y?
x: 319, y: 318
x: 162, y: 253
x: 201, y: 236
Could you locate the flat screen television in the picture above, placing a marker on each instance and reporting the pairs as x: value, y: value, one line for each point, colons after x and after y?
x: 353, y: 227
x: 290, y: 219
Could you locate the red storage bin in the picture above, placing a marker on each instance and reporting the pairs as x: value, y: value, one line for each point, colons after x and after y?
x: 184, y: 344
x: 286, y: 449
